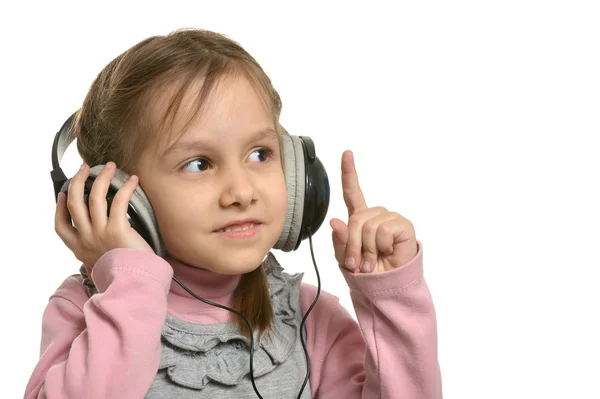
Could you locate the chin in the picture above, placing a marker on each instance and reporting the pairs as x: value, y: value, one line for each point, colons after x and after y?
x: 223, y: 256
x: 231, y: 259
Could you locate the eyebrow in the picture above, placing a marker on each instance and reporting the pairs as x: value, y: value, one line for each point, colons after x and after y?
x: 183, y: 145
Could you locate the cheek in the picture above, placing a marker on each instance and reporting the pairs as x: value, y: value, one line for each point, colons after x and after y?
x: 274, y: 192
x: 174, y: 208
x: 164, y: 215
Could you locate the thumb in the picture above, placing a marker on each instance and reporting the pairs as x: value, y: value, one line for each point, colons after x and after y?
x: 339, y: 236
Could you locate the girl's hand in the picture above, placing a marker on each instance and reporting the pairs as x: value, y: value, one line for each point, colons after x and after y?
x: 375, y: 240
x: 93, y: 232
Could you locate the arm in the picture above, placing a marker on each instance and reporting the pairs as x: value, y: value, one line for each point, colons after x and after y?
x: 396, y: 354
x: 109, y: 345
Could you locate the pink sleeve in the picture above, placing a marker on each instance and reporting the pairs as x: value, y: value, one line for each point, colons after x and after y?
x: 396, y: 353
x: 107, y: 346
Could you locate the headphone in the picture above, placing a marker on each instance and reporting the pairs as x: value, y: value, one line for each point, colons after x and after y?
x: 308, y: 202
x: 306, y: 179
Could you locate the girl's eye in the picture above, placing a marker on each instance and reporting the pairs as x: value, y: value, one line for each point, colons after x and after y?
x: 260, y: 155
x: 196, y: 165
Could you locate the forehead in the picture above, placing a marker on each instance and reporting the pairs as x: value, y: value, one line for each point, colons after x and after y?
x: 227, y: 108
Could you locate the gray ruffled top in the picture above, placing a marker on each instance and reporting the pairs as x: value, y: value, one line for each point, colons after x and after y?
x: 214, y: 358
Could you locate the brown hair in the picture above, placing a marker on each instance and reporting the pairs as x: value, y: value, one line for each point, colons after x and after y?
x: 117, y: 120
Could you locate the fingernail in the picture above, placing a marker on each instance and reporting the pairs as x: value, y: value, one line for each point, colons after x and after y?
x: 82, y: 166
x: 350, y: 262
x: 366, y: 266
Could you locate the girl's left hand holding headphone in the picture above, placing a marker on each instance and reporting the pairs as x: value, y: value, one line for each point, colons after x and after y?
x: 375, y: 240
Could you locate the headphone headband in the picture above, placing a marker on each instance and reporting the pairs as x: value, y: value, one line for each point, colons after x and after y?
x: 64, y: 137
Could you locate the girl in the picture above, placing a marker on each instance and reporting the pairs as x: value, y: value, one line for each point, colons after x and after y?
x: 195, y: 121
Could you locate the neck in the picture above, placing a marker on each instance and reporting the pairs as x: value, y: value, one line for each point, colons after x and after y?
x: 204, y: 283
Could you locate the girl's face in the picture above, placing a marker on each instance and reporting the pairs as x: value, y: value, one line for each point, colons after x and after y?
x: 225, y: 170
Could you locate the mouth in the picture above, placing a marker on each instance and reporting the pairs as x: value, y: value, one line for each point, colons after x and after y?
x: 240, y: 229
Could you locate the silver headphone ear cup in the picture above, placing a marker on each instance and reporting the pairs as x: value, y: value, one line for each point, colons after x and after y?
x: 140, y: 203
x: 293, y: 166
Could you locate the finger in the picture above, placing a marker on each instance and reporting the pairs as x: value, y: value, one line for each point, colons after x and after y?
x: 392, y: 232
x: 97, y: 201
x: 355, y: 232
x: 75, y: 203
x: 353, y: 195
x: 120, y: 203
x: 370, y: 232
x: 340, y: 231
x: 339, y: 236
x: 62, y: 223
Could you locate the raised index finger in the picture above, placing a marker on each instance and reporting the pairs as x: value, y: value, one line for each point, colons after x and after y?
x: 353, y: 195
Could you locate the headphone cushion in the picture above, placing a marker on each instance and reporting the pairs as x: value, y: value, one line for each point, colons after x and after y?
x: 293, y: 165
x: 139, y: 201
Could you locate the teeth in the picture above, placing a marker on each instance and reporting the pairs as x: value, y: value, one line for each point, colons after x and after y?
x: 239, y: 227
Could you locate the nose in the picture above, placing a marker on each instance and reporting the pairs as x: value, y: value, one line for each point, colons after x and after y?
x: 238, y: 188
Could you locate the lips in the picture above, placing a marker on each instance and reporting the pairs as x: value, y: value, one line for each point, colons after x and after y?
x: 240, y: 225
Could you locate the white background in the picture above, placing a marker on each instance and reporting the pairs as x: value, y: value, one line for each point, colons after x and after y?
x: 477, y: 120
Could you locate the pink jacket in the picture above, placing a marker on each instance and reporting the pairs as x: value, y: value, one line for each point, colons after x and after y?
x: 118, y: 331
